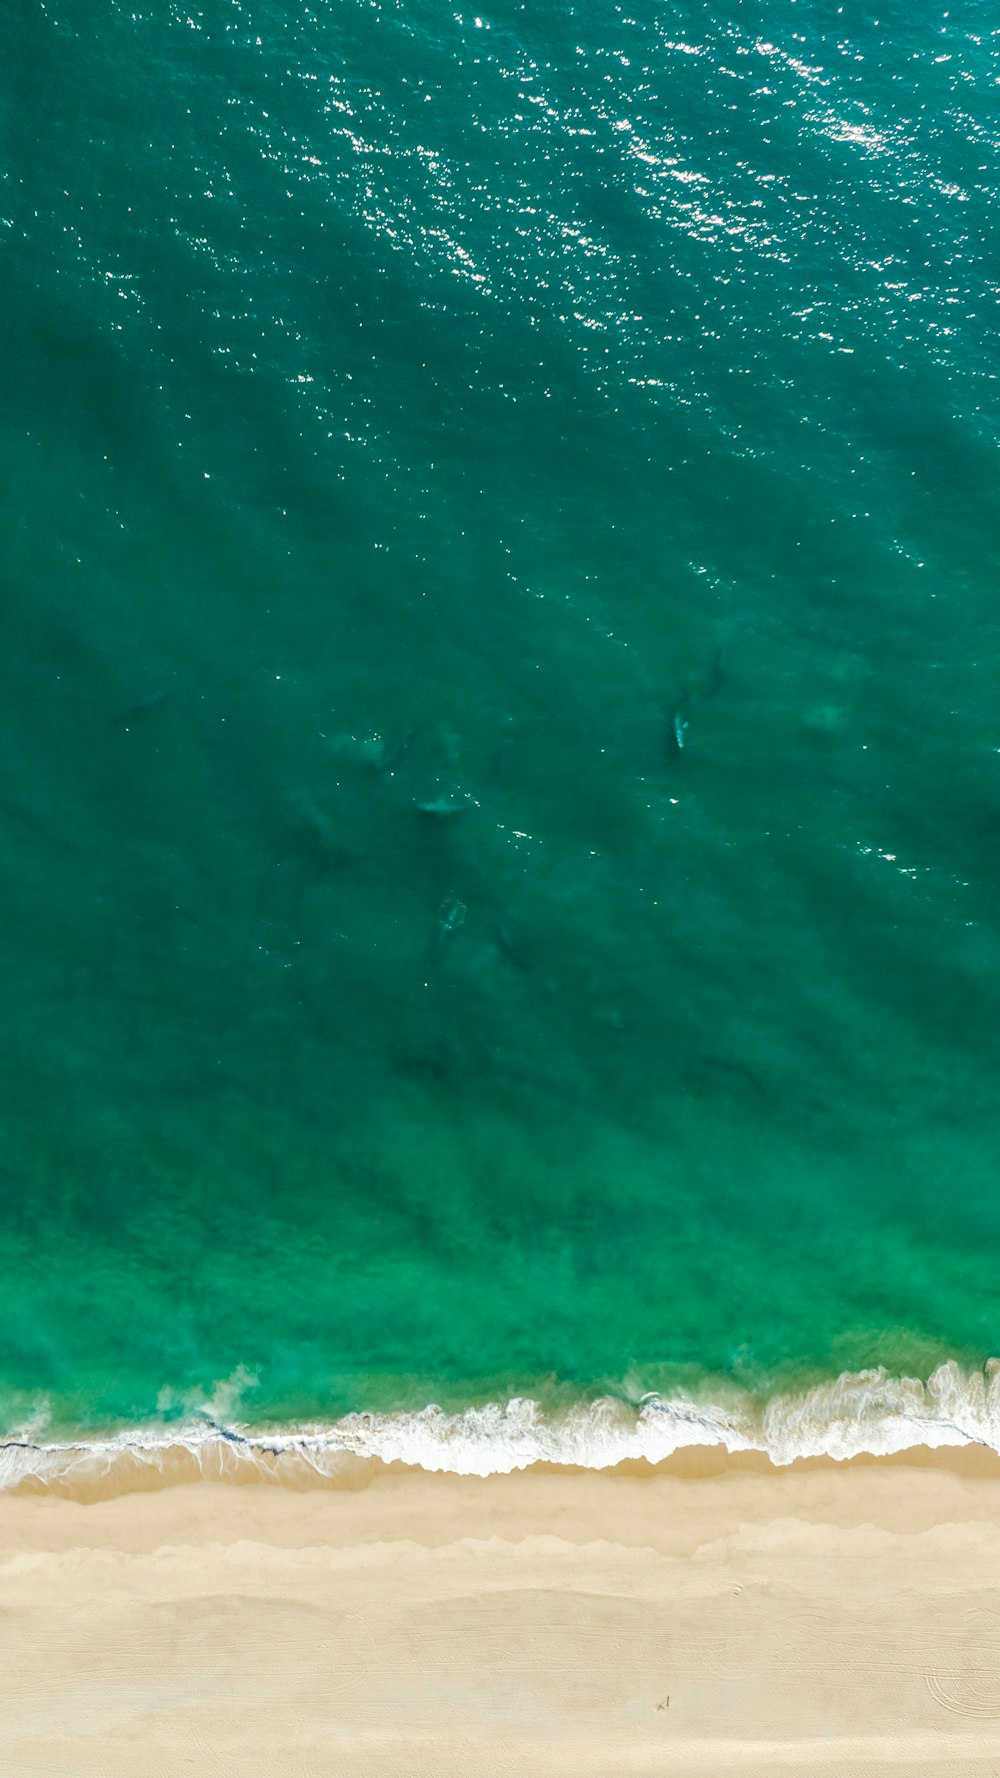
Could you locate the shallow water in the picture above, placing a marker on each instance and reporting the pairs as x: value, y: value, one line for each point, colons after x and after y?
x: 582, y: 423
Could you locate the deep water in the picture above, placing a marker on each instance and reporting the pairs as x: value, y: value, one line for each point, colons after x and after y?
x: 499, y: 718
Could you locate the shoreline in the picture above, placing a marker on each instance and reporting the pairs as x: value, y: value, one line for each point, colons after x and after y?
x: 711, y: 1614
x: 864, y: 1414
x: 82, y: 1476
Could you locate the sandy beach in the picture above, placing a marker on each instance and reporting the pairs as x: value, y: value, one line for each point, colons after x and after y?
x: 710, y: 1616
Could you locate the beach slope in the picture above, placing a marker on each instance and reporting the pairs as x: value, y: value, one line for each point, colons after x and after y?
x: 710, y: 1616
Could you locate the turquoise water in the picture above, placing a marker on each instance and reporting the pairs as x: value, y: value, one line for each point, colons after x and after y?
x: 581, y: 422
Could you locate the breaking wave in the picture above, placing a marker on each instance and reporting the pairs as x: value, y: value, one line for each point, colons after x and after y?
x: 869, y: 1412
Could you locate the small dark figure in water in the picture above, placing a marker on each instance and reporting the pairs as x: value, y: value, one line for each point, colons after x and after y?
x: 451, y: 915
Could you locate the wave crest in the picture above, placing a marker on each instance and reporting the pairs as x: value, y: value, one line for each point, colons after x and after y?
x: 867, y: 1412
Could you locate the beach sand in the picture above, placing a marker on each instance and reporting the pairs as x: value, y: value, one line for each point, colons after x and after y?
x: 710, y: 1616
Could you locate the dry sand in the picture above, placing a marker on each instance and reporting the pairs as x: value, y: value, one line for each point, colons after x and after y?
x: 707, y: 1617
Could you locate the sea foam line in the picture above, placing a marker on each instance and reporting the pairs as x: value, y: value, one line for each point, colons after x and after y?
x: 867, y: 1412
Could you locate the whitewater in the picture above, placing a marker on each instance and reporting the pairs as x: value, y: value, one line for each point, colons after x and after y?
x: 867, y: 1413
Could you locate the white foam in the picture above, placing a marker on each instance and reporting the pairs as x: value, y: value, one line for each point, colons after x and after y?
x: 866, y: 1412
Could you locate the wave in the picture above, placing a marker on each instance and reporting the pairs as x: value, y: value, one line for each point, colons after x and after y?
x: 865, y: 1413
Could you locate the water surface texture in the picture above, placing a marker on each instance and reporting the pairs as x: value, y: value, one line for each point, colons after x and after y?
x: 499, y: 725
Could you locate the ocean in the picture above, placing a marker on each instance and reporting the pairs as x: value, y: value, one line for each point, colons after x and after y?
x: 499, y: 728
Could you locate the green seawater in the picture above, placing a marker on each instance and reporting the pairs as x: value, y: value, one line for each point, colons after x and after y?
x: 580, y: 420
